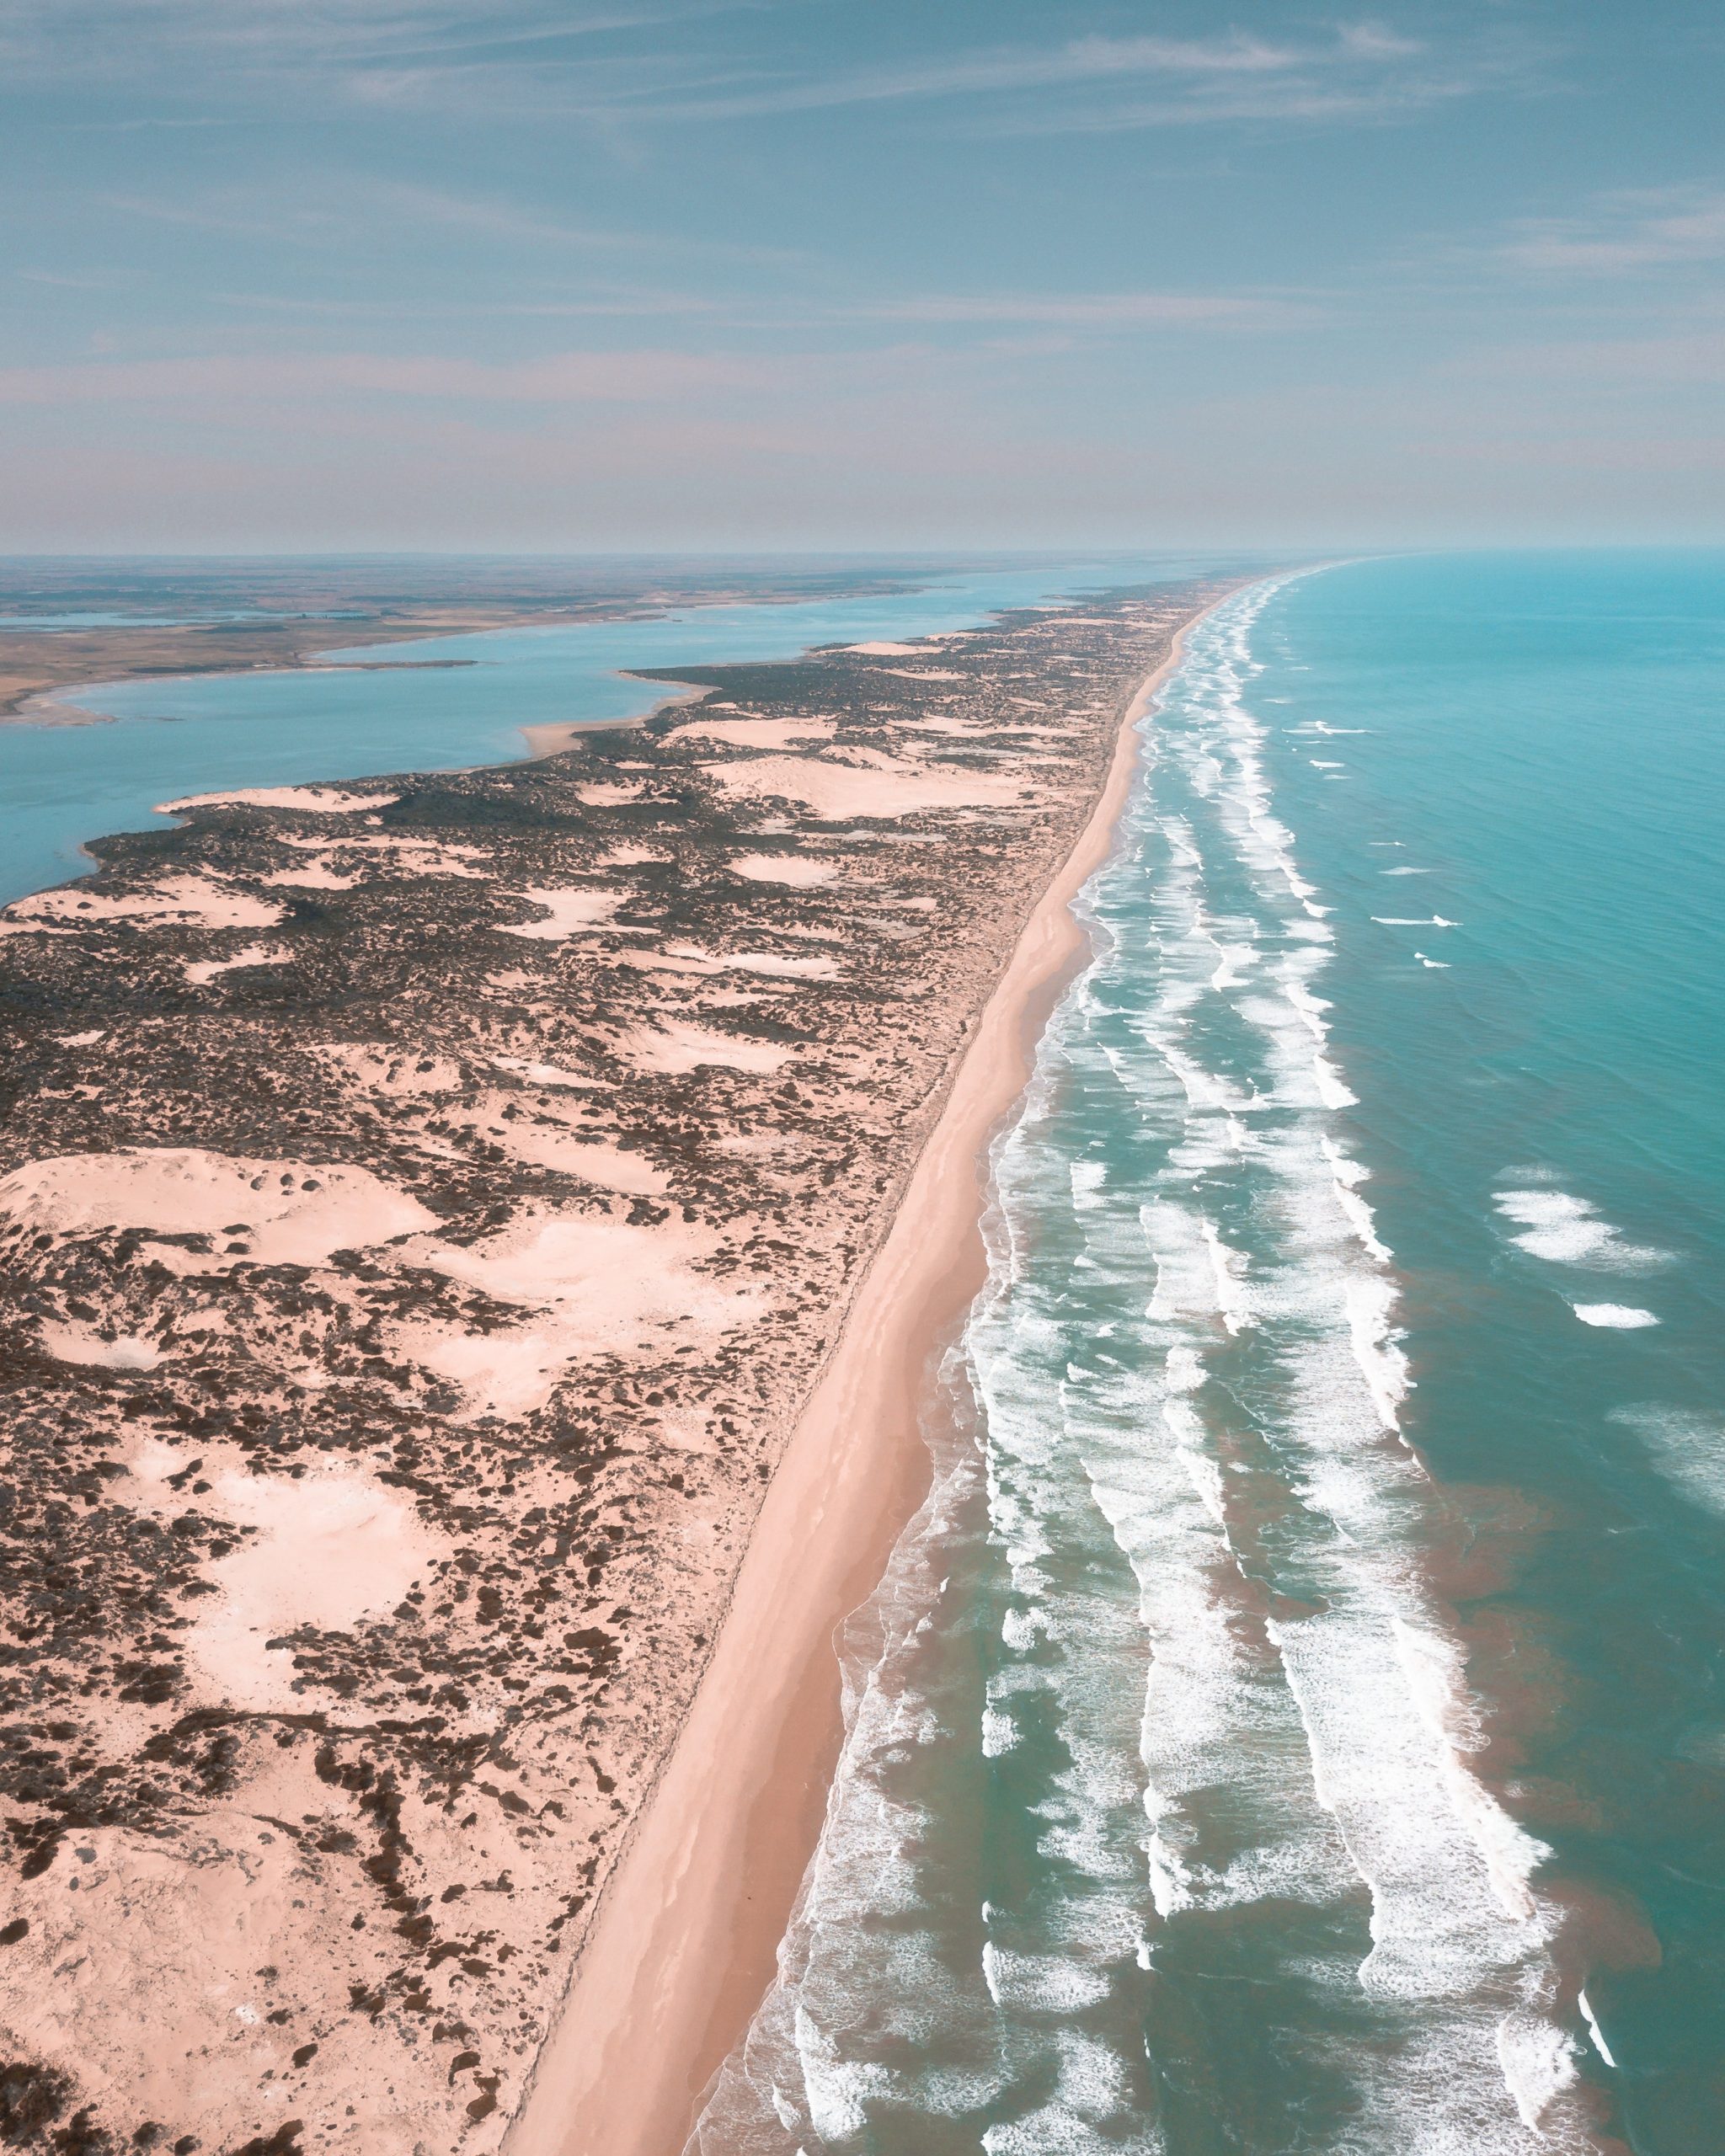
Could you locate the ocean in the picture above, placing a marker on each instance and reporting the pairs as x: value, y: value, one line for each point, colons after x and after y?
x: 1294, y: 1721
x: 435, y: 703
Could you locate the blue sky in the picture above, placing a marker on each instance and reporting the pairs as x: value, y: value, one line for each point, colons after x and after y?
x: 519, y: 275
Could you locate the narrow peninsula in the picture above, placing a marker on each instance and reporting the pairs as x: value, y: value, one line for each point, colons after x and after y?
x: 427, y: 1207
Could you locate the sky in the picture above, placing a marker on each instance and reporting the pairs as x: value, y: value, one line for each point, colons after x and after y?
x: 519, y: 275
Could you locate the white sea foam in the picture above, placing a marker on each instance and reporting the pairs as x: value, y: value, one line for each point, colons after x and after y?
x: 1620, y: 1317
x: 1182, y: 1753
x: 1593, y: 2029
x: 1688, y: 1448
x: 1566, y: 1230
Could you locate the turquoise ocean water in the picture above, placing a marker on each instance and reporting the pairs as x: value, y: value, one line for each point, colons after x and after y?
x: 439, y: 703
x: 1295, y: 1722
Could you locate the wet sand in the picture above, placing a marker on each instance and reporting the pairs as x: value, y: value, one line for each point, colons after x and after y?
x: 682, y: 1947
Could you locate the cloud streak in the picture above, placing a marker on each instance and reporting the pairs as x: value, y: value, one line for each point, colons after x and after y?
x: 1622, y: 233
x: 1357, y: 72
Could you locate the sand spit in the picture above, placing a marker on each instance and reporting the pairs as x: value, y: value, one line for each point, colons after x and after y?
x: 318, y: 800
x: 398, y: 1348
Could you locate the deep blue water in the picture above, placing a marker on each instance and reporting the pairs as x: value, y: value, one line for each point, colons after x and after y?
x: 1295, y: 1722
x: 60, y: 786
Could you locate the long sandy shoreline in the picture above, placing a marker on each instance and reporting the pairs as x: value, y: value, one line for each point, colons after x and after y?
x: 682, y: 1947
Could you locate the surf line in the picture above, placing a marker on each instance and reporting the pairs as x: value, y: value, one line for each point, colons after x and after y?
x: 1462, y: 1940
x: 685, y: 1934
x: 1375, y: 1682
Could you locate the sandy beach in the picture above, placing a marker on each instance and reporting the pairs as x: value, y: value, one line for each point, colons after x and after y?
x: 683, y: 1943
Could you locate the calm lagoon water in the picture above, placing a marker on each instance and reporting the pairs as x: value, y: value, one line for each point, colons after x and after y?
x: 1295, y: 1722
x: 60, y: 786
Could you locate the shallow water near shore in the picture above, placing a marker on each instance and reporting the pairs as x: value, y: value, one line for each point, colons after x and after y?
x: 433, y: 703
x: 1294, y: 1721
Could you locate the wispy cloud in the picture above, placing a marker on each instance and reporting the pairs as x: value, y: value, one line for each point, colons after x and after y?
x: 358, y: 206
x: 125, y: 38
x: 619, y: 64
x: 1623, y: 232
x: 1354, y: 70
x: 1092, y: 309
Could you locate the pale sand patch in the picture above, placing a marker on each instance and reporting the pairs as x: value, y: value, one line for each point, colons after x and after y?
x: 925, y: 673
x: 552, y: 1145
x: 205, y: 968
x: 689, y: 964
x: 81, y: 1040
x: 325, y: 800
x: 194, y: 901
x: 284, y: 1211
x: 610, y: 1167
x: 676, y: 1049
x: 601, y: 1286
x: 567, y: 911
x: 785, y: 968
x: 836, y: 792
x: 754, y: 733
x: 796, y: 870
x: 82, y: 1343
x: 511, y: 1373
x: 397, y: 856
x: 885, y: 650
x: 315, y: 876
x: 420, y: 857
x: 606, y: 1278
x: 547, y: 1073
x: 331, y: 1546
x: 690, y: 958
x: 607, y: 793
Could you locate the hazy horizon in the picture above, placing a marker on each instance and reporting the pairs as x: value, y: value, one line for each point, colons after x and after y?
x: 493, y: 276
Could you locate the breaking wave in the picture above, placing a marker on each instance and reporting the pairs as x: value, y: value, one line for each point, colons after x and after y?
x: 1160, y: 1825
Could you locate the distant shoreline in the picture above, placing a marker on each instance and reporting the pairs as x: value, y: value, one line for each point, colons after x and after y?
x: 39, y: 665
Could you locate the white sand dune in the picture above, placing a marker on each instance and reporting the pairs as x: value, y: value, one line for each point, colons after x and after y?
x: 676, y: 1049
x: 797, y: 871
x: 837, y: 793
x: 277, y: 1212
x: 567, y: 911
x: 754, y: 733
x: 199, y: 971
